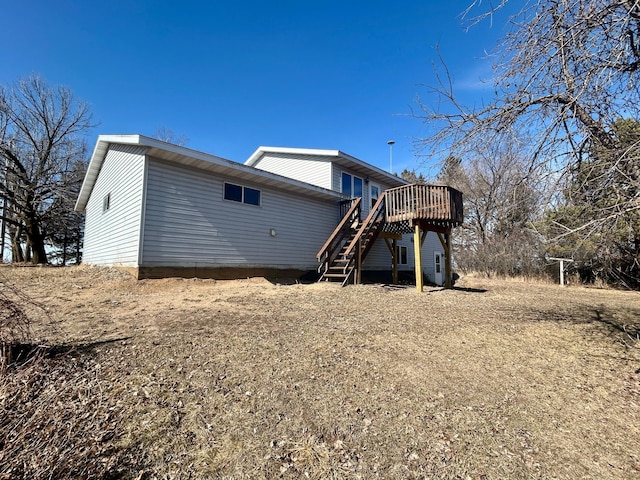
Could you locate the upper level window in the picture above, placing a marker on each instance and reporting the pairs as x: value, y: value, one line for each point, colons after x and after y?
x: 251, y: 196
x: 375, y: 194
x: 351, y: 185
x: 238, y: 193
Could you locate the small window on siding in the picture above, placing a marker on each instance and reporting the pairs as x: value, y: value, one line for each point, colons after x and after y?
x: 232, y: 192
x: 106, y: 202
x: 240, y: 194
x: 401, y: 254
x: 251, y: 196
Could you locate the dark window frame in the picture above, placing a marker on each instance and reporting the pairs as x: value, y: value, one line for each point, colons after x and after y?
x: 402, y: 256
x: 230, y: 194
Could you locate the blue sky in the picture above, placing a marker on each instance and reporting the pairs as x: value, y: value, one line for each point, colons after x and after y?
x: 231, y: 76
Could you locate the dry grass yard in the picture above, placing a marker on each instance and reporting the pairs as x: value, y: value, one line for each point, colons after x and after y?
x: 191, y: 379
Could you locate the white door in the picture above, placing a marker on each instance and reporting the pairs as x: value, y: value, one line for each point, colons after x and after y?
x: 438, y: 261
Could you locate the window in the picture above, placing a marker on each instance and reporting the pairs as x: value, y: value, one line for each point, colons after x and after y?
x: 401, y: 254
x: 251, y: 196
x: 351, y: 186
x: 232, y: 192
x: 375, y: 194
x: 238, y: 193
x: 106, y: 202
x: 357, y: 187
x: 346, y: 184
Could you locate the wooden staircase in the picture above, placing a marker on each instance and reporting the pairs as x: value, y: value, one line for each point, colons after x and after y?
x: 342, y: 266
x: 342, y: 255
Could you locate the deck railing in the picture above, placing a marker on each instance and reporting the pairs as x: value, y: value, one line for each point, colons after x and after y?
x: 427, y: 202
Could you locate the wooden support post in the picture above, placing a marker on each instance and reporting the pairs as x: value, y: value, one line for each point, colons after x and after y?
x: 393, y: 250
x: 418, y: 256
x: 447, y: 261
x: 394, y: 272
x: 561, y: 260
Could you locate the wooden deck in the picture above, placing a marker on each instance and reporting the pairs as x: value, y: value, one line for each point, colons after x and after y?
x: 438, y: 206
x: 401, y: 210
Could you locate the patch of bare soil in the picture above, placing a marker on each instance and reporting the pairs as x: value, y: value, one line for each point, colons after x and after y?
x: 185, y: 378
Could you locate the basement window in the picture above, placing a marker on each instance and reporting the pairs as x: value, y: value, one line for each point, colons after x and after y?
x: 106, y: 202
x: 401, y: 254
x: 240, y: 194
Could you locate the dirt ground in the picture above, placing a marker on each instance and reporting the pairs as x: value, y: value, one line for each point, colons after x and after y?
x: 248, y: 379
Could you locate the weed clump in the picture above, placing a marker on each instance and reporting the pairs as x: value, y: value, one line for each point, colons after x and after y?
x: 58, y: 417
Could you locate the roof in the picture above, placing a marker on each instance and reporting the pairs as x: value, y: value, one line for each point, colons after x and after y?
x: 354, y: 164
x: 192, y: 158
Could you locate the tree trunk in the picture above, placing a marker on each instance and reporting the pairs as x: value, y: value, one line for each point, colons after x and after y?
x: 65, y: 246
x: 35, y: 240
x: 78, y: 249
x: 17, y: 254
x: 39, y: 254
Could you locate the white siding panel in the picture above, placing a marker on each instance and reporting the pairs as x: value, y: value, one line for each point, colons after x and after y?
x: 430, y: 245
x: 189, y: 224
x: 312, y: 169
x: 112, y: 237
x: 336, y: 178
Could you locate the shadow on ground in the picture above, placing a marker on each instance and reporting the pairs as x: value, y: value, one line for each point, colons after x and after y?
x: 24, y: 353
x: 619, y: 324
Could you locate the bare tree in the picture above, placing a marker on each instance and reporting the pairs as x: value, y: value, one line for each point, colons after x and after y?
x: 500, y: 197
x: 41, y: 141
x: 564, y: 74
x: 167, y: 135
x: 65, y: 226
x: 601, y: 186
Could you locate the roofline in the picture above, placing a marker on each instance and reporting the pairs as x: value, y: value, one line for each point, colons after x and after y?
x: 104, y: 141
x: 255, y: 156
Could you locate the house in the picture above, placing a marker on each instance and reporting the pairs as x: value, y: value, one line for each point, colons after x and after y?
x: 159, y: 209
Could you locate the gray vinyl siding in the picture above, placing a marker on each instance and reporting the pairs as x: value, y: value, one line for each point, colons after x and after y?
x: 312, y: 169
x: 112, y: 237
x: 189, y: 224
x: 379, y: 257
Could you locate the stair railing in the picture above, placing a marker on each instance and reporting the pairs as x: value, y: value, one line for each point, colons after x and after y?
x: 334, y: 242
x: 372, y: 224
